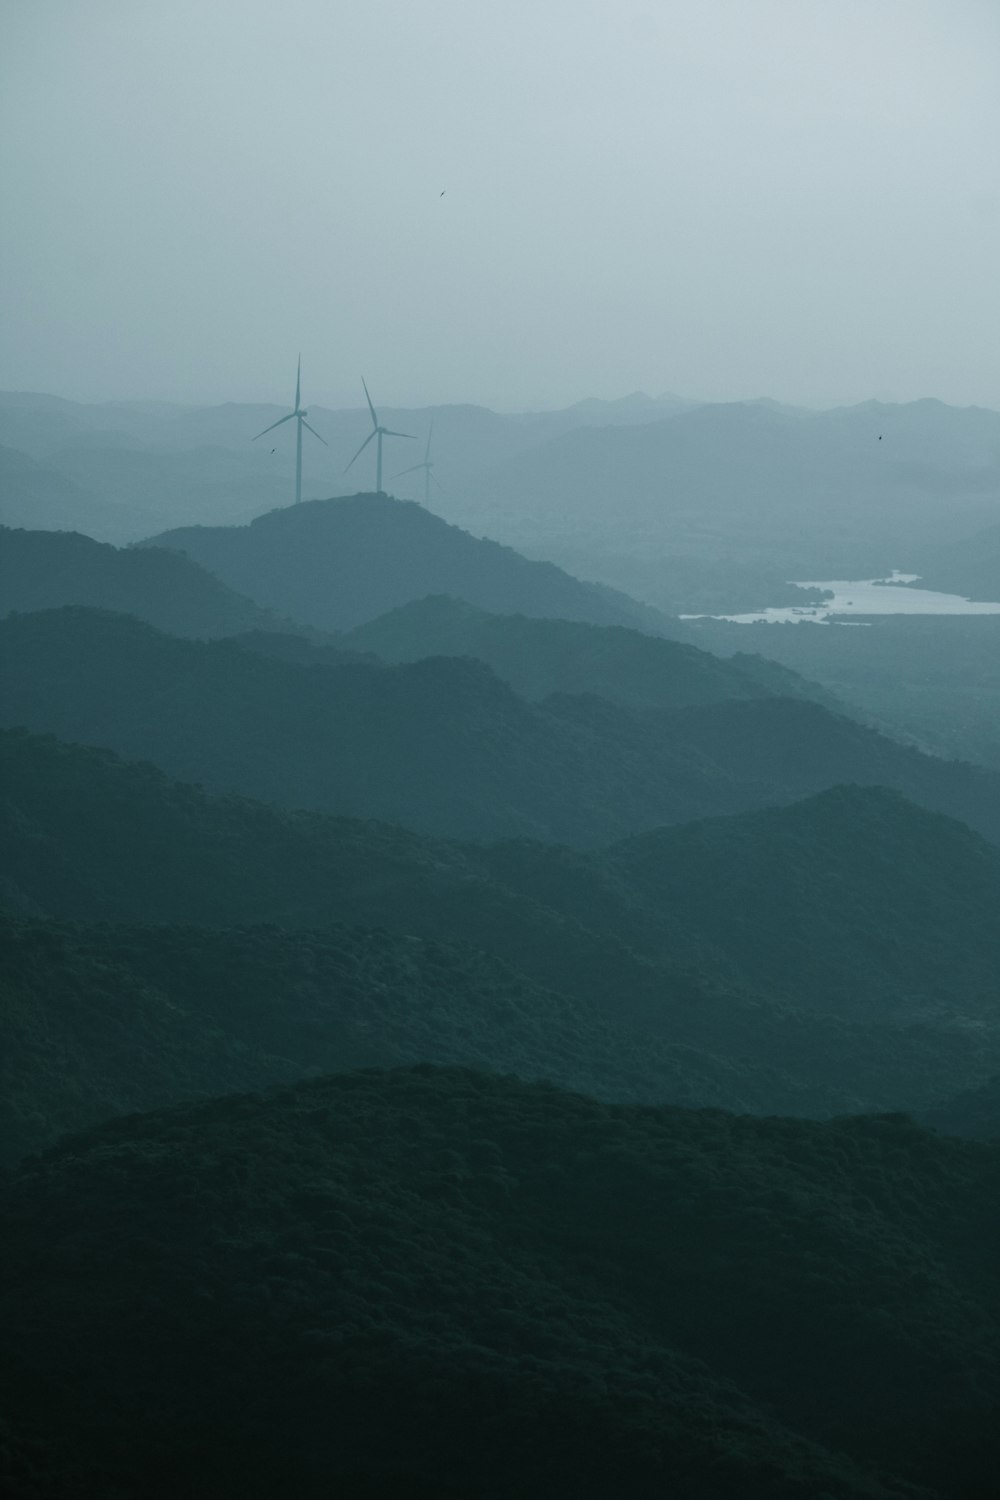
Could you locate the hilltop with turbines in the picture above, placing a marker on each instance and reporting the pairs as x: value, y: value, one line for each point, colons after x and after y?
x: 453, y: 967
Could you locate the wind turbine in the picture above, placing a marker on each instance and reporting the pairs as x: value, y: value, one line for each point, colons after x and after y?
x: 378, y: 431
x: 427, y: 466
x: 300, y: 415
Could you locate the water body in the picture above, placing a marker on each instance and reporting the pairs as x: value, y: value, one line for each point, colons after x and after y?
x: 861, y: 596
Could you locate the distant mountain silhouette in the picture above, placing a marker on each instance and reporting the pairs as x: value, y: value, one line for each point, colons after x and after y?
x: 540, y: 657
x: 441, y: 745
x: 336, y: 563
x: 35, y: 496
x: 970, y: 568
x: 171, y: 487
x: 815, y: 493
x: 48, y: 569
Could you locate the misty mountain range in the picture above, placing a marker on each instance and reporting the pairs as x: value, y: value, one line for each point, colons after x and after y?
x: 676, y: 502
x: 327, y: 829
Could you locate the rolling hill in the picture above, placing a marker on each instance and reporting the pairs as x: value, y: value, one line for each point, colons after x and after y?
x: 88, y: 838
x: 47, y: 569
x: 548, y: 1294
x: 441, y: 744
x: 540, y: 657
x: 336, y: 563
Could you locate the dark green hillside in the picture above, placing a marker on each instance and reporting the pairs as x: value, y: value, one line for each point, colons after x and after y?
x: 433, y: 1283
x: 87, y: 837
x: 975, y: 1113
x: 86, y: 1036
x: 101, y: 1020
x: 335, y: 563
x: 854, y: 902
x: 48, y: 569
x: 441, y: 744
x: 540, y: 657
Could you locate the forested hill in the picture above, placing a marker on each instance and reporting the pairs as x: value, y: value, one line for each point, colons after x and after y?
x: 48, y: 569
x: 441, y: 744
x: 839, y: 902
x: 539, y: 657
x: 109, y: 1019
x: 335, y: 563
x: 549, y: 1295
x: 700, y: 1015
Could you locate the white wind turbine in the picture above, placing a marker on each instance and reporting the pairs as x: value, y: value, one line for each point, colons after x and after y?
x: 427, y: 466
x: 300, y: 416
x: 378, y: 432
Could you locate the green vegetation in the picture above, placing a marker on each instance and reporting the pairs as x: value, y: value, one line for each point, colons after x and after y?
x: 108, y: 1019
x: 974, y: 1113
x: 431, y: 1282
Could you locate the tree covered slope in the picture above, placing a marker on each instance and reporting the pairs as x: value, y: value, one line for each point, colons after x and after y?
x: 658, y: 996
x: 532, y: 1292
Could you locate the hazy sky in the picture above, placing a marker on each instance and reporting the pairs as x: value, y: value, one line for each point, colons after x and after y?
x: 725, y: 198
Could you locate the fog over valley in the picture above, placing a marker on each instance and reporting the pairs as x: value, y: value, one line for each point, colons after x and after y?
x: 500, y: 751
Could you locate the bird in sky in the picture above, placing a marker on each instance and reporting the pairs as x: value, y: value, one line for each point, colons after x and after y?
x: 442, y: 192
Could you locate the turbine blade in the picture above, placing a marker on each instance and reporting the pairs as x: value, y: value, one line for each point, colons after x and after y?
x: 361, y: 450
x: 273, y: 425
x: 430, y: 434
x: 298, y: 382
x: 315, y: 433
x: 412, y: 470
x: 388, y: 432
x: 370, y: 407
x: 435, y: 480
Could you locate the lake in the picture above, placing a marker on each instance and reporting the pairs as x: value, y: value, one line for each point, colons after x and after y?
x: 862, y: 596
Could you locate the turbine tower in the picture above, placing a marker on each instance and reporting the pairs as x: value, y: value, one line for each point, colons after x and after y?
x: 427, y: 466
x: 300, y: 415
x: 378, y: 432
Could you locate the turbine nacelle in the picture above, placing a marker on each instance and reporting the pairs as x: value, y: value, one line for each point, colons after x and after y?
x: 378, y: 432
x: 298, y: 415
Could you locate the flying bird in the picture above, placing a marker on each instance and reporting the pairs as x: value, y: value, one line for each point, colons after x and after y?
x: 442, y: 192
